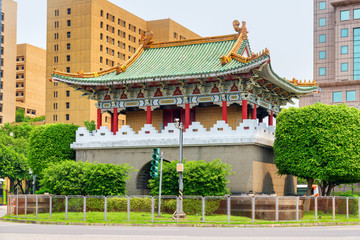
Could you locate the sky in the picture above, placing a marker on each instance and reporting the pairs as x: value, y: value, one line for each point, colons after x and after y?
x: 285, y: 27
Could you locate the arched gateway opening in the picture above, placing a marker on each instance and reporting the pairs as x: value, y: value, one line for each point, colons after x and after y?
x: 143, y: 178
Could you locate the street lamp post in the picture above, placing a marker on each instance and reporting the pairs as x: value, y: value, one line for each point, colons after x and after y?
x: 180, y: 126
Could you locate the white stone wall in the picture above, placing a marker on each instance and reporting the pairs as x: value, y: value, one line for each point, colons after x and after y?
x: 248, y: 132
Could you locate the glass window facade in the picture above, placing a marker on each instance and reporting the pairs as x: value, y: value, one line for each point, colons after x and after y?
x: 344, y: 50
x: 322, y: 38
x: 356, y: 54
x: 322, y: 71
x: 322, y: 22
x: 344, y: 67
x: 322, y: 54
x: 344, y: 32
x: 344, y: 15
x: 337, y: 96
x: 357, y: 13
x: 350, y: 96
x: 322, y: 5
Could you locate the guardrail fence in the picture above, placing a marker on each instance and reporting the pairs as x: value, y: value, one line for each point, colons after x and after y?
x: 226, y: 209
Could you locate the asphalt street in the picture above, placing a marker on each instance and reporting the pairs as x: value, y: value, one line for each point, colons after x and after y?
x: 18, y: 231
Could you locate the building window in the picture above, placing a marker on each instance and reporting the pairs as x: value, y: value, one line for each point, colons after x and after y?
x: 56, y: 47
x: 322, y: 22
x: 322, y: 38
x: 56, y: 36
x: 101, y: 59
x: 68, y: 46
x: 68, y: 93
x: 322, y: 5
x: 56, y: 13
x: 344, y: 67
x: 344, y: 15
x: 68, y: 23
x: 344, y: 50
x: 101, y: 13
x: 101, y: 24
x: 337, y: 97
x: 1, y: 120
x: 56, y: 59
x: 68, y: 69
x: 67, y: 105
x: 322, y: 54
x: 55, y: 94
x: 68, y: 58
x: 101, y: 48
x: 356, y: 59
x: 350, y: 96
x: 67, y: 116
x: 69, y: 11
x: 101, y: 36
x: 68, y: 34
x: 344, y: 32
x: 322, y: 71
x: 55, y: 105
x: 1, y: 106
x: 54, y: 117
x: 56, y: 24
x: 357, y: 13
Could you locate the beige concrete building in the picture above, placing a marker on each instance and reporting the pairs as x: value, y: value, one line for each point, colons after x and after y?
x: 89, y: 36
x: 30, y: 79
x: 336, y: 52
x: 8, y: 53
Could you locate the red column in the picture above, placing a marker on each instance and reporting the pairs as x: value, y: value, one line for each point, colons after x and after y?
x: 148, y: 115
x: 187, y: 115
x: 253, y: 113
x: 224, y: 111
x: 115, y: 121
x: 244, y: 110
x: 271, y: 118
x: 99, y: 118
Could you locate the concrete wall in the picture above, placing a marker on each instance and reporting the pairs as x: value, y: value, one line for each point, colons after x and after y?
x: 252, y: 164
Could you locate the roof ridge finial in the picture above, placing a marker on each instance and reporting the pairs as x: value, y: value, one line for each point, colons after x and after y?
x: 241, y: 30
x: 146, y: 38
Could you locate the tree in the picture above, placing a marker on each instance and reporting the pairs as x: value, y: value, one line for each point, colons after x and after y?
x: 319, y: 142
x: 17, y: 130
x: 19, y: 115
x: 50, y: 144
x: 90, y: 126
x: 200, y: 178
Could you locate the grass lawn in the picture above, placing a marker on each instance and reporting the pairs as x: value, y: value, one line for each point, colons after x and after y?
x: 145, y: 218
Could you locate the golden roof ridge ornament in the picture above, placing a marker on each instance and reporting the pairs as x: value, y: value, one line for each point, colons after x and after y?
x: 146, y: 39
x: 241, y: 30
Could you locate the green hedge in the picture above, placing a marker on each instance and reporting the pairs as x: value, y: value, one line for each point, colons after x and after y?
x: 79, y: 178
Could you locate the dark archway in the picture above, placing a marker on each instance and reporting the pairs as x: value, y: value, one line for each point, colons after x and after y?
x: 143, y: 177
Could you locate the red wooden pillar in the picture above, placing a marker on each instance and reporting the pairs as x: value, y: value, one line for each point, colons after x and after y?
x: 112, y: 122
x: 224, y: 111
x: 254, y: 113
x: 271, y: 118
x: 115, y: 122
x: 148, y: 115
x: 244, y: 110
x: 99, y: 118
x: 187, y: 115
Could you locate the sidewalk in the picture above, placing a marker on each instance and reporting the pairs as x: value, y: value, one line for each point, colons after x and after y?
x: 2, y: 211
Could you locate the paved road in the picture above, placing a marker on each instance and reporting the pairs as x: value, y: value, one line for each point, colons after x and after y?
x: 16, y: 231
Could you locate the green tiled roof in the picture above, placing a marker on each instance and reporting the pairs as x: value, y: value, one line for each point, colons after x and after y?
x: 177, y: 61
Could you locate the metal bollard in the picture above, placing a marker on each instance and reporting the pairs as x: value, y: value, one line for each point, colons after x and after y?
x: 333, y: 207
x: 36, y: 205
x: 105, y: 208
x: 297, y: 209
x: 66, y: 207
x: 347, y: 207
x: 84, y: 209
x: 152, y: 209
x: 203, y: 208
x: 128, y: 208
x: 50, y: 206
x: 316, y: 209
x: 253, y: 208
x: 25, y: 205
x: 277, y: 209
x: 228, y: 206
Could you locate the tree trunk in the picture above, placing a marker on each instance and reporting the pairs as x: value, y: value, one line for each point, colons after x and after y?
x: 330, y: 188
x: 308, y: 193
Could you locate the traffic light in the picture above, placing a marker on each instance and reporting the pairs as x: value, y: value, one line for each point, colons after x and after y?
x: 154, y: 169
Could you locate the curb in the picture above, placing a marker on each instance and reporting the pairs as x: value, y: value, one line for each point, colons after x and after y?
x: 319, y: 224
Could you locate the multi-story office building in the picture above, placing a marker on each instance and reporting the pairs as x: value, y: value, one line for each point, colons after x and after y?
x: 30, y: 79
x: 89, y: 36
x: 8, y: 53
x: 336, y: 52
